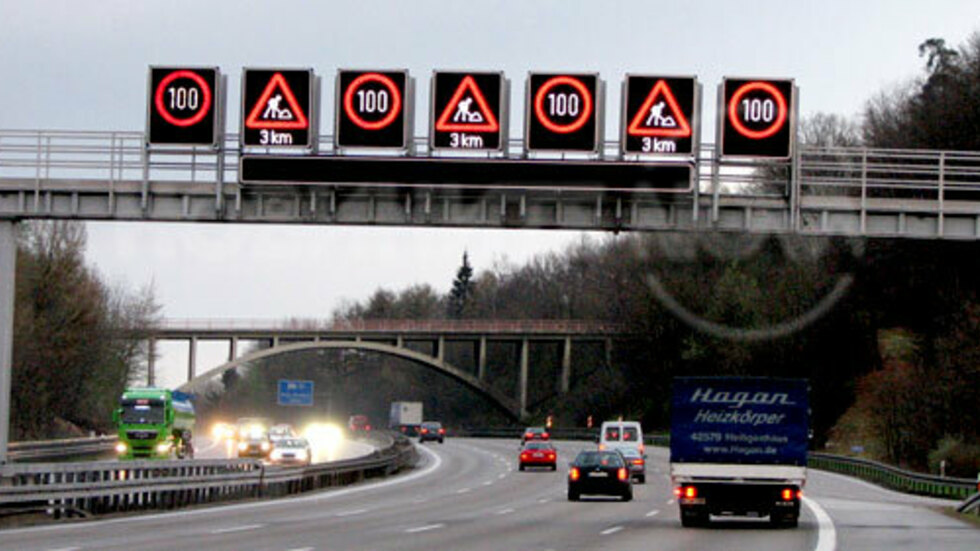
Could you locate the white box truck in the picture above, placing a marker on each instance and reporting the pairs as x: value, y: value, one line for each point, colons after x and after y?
x: 405, y: 417
x: 738, y: 446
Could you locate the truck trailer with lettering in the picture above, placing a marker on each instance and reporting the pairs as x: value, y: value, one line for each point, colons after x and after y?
x: 154, y: 423
x: 738, y: 447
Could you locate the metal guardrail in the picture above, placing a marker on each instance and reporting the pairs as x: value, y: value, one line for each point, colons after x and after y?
x: 971, y: 505
x: 113, y: 486
x: 60, y: 449
x: 894, y: 478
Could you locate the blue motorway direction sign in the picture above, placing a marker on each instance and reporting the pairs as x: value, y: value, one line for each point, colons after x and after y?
x: 295, y: 393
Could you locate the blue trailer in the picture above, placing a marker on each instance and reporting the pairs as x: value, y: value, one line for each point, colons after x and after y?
x: 738, y: 446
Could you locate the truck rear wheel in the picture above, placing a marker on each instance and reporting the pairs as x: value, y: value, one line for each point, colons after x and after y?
x: 693, y: 519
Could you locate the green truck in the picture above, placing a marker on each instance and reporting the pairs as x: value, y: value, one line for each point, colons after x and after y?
x: 154, y: 423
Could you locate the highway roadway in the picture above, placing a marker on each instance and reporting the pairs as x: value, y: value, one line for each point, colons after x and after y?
x: 468, y: 495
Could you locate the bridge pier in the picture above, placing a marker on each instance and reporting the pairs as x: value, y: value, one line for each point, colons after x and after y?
x: 522, y: 388
x: 481, y: 362
x: 566, y: 365
x: 192, y: 359
x: 232, y: 349
x: 8, y: 270
x: 151, y: 352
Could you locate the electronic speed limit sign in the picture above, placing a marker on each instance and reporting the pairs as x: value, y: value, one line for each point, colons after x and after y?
x: 373, y: 109
x: 563, y: 112
x: 182, y: 106
x: 757, y: 118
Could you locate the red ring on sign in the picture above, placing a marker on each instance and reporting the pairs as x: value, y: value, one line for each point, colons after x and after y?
x: 573, y: 126
x: 396, y: 101
x: 780, y: 106
x: 205, y: 105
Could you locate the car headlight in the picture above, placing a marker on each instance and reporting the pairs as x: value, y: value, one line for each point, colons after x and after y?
x: 121, y: 448
x: 275, y: 455
x: 163, y: 447
x: 302, y: 455
x: 265, y: 446
x: 242, y: 446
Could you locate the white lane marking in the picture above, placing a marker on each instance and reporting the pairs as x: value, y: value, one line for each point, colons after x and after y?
x: 241, y: 528
x: 66, y: 549
x: 488, y: 483
x: 652, y: 513
x: 501, y: 475
x: 436, y: 463
x: 462, y: 490
x: 544, y: 500
x: 419, y: 500
x: 826, y: 533
x: 425, y: 528
x: 670, y: 502
x: 612, y: 530
x: 352, y: 512
x: 301, y: 549
x: 506, y: 511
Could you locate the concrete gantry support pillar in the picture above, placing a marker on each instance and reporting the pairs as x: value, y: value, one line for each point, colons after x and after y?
x: 525, y: 368
x: 609, y: 345
x: 151, y: 362
x: 8, y: 269
x: 481, y: 362
x: 441, y: 349
x: 192, y: 359
x: 566, y: 365
x: 232, y: 349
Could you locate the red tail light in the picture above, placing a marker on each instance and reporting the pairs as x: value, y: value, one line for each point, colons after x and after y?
x: 528, y: 436
x: 442, y: 431
x: 677, y: 492
x: 690, y: 491
x: 544, y: 435
x: 788, y: 494
x: 623, y: 474
x: 367, y: 427
x: 574, y: 474
x: 524, y: 455
x: 551, y: 456
x: 425, y: 431
x: 642, y: 449
x: 637, y: 461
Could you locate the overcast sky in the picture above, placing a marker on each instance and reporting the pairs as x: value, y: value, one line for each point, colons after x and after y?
x: 82, y: 64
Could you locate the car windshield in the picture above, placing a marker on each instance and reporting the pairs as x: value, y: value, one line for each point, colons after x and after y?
x: 143, y: 414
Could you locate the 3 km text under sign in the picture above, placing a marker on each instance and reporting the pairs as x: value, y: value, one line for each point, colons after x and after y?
x: 277, y: 107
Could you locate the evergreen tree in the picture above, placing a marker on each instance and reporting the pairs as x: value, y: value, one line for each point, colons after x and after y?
x: 461, y: 294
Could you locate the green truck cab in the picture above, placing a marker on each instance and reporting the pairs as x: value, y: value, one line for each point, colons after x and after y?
x: 154, y: 423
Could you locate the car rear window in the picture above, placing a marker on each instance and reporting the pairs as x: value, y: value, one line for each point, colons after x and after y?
x: 630, y: 434
x: 612, y: 433
x: 538, y: 446
x: 593, y: 459
x: 432, y: 425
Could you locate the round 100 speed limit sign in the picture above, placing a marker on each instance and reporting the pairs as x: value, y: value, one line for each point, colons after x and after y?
x: 563, y: 112
x: 758, y: 118
x: 181, y: 106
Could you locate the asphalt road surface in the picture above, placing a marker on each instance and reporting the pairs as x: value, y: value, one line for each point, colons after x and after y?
x: 468, y: 495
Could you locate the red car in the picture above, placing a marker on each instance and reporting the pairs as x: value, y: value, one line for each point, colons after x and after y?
x: 534, y: 433
x: 358, y: 423
x: 538, y: 454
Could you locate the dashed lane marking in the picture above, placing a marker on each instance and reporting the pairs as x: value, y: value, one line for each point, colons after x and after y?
x: 352, y: 512
x: 241, y: 528
x: 425, y: 528
x: 506, y: 511
x: 652, y: 513
x: 612, y: 530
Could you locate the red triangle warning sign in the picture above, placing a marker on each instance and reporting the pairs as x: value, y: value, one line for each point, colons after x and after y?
x: 269, y: 113
x: 660, y: 116
x: 459, y: 114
